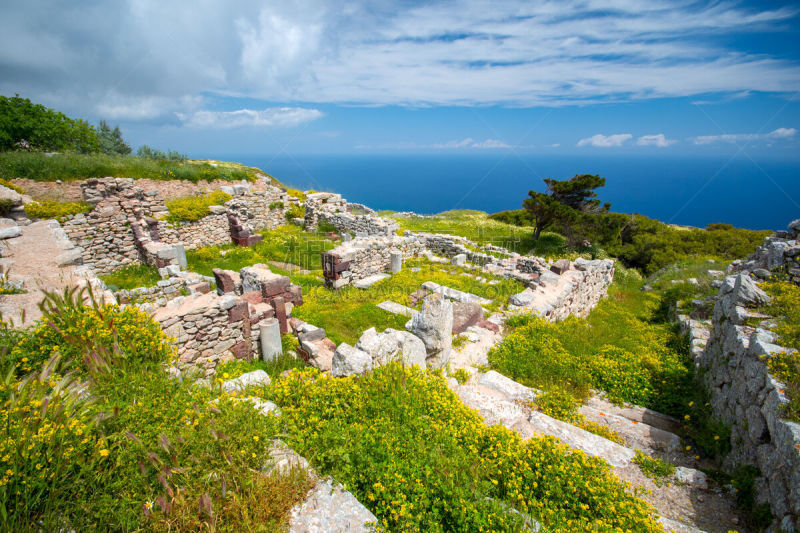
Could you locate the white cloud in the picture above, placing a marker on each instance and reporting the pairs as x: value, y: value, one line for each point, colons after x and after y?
x: 265, y: 118
x: 443, y: 52
x: 470, y: 143
x: 735, y: 138
x: 606, y: 141
x: 658, y: 140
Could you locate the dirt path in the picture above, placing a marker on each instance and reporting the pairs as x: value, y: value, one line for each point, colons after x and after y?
x: 34, y: 259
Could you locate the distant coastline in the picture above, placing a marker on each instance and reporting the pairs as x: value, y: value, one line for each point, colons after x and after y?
x: 690, y: 191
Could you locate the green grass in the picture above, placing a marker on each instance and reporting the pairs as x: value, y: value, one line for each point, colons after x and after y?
x: 654, y: 468
x: 67, y: 167
x: 477, y: 226
x: 132, y: 276
x: 347, y: 312
x: 286, y: 244
x: 234, y: 369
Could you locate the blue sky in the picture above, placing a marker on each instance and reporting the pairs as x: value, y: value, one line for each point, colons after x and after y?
x: 314, y: 76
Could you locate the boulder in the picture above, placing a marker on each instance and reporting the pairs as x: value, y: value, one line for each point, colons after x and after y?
x: 465, y: 315
x: 254, y: 378
x: 560, y: 266
x: 10, y: 232
x: 348, y: 361
x: 392, y: 345
x: 434, y: 326
x: 225, y: 280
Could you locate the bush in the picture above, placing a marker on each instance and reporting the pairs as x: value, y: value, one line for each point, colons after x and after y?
x: 516, y: 217
x: 785, y: 306
x: 75, y: 331
x: 39, y: 128
x: 146, y: 152
x: 46, y: 209
x: 654, y: 468
x: 193, y: 208
x: 407, y: 447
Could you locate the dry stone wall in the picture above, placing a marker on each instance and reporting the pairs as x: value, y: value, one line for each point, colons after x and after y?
x: 743, y: 393
x: 108, y: 236
x: 332, y: 209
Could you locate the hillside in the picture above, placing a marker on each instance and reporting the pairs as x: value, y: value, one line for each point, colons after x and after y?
x: 438, y: 373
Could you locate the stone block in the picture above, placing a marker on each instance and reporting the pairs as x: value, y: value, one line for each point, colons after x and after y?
x: 243, y: 349
x: 274, y: 286
x: 465, y: 315
x: 252, y: 297
x: 238, y: 312
x: 225, y: 280
x: 560, y: 266
x: 279, y: 305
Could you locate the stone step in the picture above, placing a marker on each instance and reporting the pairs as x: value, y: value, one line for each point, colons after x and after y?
x: 455, y: 294
x: 369, y: 281
x: 639, y: 435
x: 397, y: 309
x: 638, y: 414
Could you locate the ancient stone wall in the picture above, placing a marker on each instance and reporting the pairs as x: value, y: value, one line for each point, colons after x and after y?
x: 108, y: 237
x: 214, y: 327
x: 332, y: 209
x: 743, y: 393
x: 358, y: 259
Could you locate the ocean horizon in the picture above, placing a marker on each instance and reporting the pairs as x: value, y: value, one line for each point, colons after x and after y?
x: 692, y: 191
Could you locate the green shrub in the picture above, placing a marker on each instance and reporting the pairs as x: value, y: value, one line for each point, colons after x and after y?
x: 131, y: 449
x: 74, y: 330
x: 234, y: 369
x: 42, y: 128
x: 132, y: 276
x: 276, y: 205
x: 418, y: 458
x: 46, y: 209
x: 193, y: 208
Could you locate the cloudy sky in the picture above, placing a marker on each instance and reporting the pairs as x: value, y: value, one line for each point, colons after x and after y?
x: 316, y: 76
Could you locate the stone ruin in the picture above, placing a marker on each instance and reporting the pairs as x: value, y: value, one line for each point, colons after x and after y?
x: 243, y: 319
x: 337, y: 212
x: 127, y: 224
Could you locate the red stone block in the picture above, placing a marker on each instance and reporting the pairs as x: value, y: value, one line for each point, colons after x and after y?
x: 253, y: 297
x: 225, y: 280
x: 274, y: 287
x: 242, y: 350
x: 279, y: 305
x: 246, y: 328
x: 491, y: 326
x: 240, y: 241
x: 238, y: 312
x: 252, y: 240
x: 202, y: 288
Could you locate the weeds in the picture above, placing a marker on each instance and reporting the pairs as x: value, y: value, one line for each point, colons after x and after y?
x: 132, y: 276
x: 654, y: 468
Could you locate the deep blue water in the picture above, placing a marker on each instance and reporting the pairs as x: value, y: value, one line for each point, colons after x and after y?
x: 694, y: 191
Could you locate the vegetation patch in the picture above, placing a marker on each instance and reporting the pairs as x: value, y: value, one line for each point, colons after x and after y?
x: 785, y: 306
x: 46, y: 209
x: 132, y: 276
x: 654, y: 468
x: 286, y: 244
x: 193, y: 208
x: 407, y: 447
x: 295, y: 211
x: 97, y: 435
x: 15, y: 188
x: 71, y: 166
x: 234, y: 369
x: 344, y: 313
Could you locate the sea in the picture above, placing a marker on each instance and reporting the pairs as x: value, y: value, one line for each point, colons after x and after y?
x: 692, y: 191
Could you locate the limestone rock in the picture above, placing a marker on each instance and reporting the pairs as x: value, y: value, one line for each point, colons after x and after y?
x: 748, y: 293
x: 329, y: 507
x: 10, y: 232
x: 254, y: 378
x: 348, y: 361
x: 392, y: 345
x: 434, y: 325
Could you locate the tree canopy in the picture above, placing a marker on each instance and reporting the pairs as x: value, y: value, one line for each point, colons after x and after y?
x: 565, y: 203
